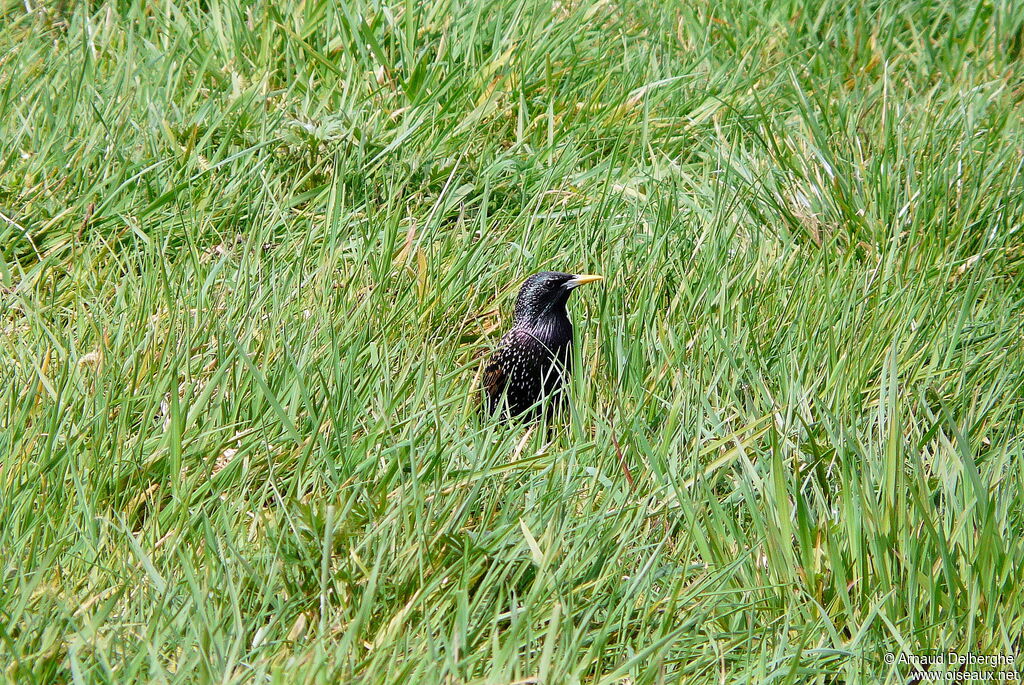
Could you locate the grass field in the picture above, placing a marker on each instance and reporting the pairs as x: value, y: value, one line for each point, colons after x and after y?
x: 252, y: 255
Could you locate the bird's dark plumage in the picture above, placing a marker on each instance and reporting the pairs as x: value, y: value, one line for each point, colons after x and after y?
x: 533, y: 358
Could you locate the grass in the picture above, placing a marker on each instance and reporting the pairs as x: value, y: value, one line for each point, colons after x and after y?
x: 251, y: 255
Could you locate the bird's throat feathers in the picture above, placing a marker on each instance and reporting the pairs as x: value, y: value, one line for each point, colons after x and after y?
x: 552, y: 327
x: 547, y: 313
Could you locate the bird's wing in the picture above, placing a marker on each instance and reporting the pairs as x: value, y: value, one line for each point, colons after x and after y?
x: 494, y: 379
x: 497, y: 369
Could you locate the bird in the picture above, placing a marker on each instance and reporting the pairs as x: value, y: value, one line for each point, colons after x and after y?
x: 527, y: 371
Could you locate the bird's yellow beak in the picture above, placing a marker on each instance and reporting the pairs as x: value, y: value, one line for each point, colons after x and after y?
x: 583, y: 280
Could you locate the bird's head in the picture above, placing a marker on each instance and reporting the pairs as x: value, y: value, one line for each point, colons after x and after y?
x: 546, y: 293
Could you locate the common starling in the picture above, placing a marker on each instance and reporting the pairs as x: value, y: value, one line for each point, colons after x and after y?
x: 534, y: 357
